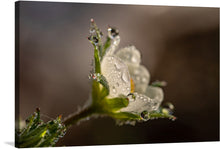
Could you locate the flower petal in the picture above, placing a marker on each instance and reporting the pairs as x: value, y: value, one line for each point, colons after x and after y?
x: 117, y: 75
x: 141, y: 77
x: 155, y: 93
x: 140, y: 103
x: 111, y: 50
x: 130, y: 55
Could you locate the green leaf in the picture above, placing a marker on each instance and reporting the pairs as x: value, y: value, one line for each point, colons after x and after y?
x: 115, y: 104
x: 39, y: 134
x: 55, y: 131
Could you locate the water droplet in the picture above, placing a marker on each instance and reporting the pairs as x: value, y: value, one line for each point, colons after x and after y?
x: 93, y: 39
x: 125, y: 76
x: 113, y: 74
x: 174, y: 118
x: 144, y: 115
x: 136, y: 71
x: 127, y: 56
x: 113, y: 32
x: 116, y: 42
x: 119, y: 74
x: 154, y: 106
x: 131, y: 97
x: 134, y: 59
x: 167, y: 111
x: 117, y: 66
x: 168, y: 108
x: 137, y: 78
x: 114, y: 89
x: 128, y: 89
x: 101, y: 34
x: 144, y: 80
x: 92, y: 30
x: 169, y: 105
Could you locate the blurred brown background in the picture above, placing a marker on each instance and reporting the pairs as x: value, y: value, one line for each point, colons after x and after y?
x: 178, y: 44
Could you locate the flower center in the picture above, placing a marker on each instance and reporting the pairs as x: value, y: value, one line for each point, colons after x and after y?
x: 132, y: 85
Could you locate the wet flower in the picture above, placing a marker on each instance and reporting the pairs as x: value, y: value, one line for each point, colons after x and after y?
x: 120, y: 84
x: 126, y: 76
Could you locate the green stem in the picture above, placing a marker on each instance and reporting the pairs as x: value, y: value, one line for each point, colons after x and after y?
x: 76, y: 117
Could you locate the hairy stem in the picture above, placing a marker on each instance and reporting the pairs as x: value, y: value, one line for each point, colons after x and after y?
x: 76, y: 117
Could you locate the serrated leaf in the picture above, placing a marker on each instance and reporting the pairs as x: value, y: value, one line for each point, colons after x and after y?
x: 39, y: 134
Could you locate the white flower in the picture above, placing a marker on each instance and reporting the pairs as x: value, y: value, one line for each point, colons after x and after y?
x: 125, y: 75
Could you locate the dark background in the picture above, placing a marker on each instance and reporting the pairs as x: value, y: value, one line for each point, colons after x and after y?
x: 178, y: 44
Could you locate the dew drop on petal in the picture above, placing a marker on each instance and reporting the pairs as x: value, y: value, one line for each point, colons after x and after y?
x: 140, y: 76
x: 155, y: 93
x: 137, y: 78
x: 141, y: 103
x: 169, y: 105
x: 113, y: 32
x: 168, y: 108
x: 144, y: 115
x: 144, y: 80
x: 131, y: 97
x: 111, y: 50
x: 92, y: 30
x: 114, y: 89
x: 113, y: 69
x: 130, y: 55
x: 125, y: 76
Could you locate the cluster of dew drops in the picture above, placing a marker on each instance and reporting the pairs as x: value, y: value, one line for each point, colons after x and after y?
x: 93, y: 37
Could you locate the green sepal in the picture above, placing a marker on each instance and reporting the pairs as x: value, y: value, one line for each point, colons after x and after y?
x: 100, y: 88
x: 155, y: 115
x: 160, y: 113
x: 97, y: 60
x: 124, y: 116
x: 106, y: 46
x: 115, y: 104
x: 95, y: 91
x: 105, y: 89
x: 98, y: 35
x: 158, y: 83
